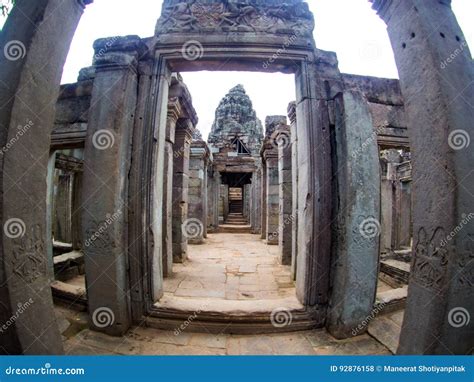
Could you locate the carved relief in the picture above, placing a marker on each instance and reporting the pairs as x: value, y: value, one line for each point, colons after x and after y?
x: 28, y: 260
x: 431, y: 259
x: 237, y: 16
x: 98, y: 236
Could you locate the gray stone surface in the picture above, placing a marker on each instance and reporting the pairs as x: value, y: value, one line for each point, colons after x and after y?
x: 425, y: 36
x: 107, y: 165
x: 29, y: 88
x: 285, y: 191
x: 197, y: 208
x: 357, y: 228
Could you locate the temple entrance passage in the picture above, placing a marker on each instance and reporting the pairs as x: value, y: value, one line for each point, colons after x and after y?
x: 236, y: 201
x: 230, y: 273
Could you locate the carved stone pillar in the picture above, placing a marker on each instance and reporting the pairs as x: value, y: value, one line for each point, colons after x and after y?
x: 315, y: 176
x: 356, y: 225
x: 436, y: 77
x: 390, y: 160
x: 28, y: 92
x: 63, y: 207
x: 270, y: 155
x: 263, y: 201
x: 294, y: 184
x: 181, y: 148
x: 197, y: 210
x: 213, y: 200
x: 285, y: 193
x: 256, y: 202
x: 106, y: 169
x: 174, y: 111
x: 77, y: 241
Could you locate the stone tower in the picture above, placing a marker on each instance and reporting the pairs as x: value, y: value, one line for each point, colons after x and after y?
x: 236, y: 121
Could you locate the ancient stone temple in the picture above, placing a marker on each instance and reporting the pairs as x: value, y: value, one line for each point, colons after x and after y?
x: 347, y: 218
x: 235, y: 141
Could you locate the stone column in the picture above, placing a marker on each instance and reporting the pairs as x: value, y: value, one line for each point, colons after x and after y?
x: 436, y: 76
x: 225, y: 201
x: 106, y: 169
x: 403, y: 206
x: 256, y: 201
x: 315, y: 176
x: 63, y: 207
x: 181, y: 148
x: 213, y: 200
x: 174, y: 111
x: 270, y: 156
x: 285, y: 193
x: 356, y: 229
x: 246, y: 201
x: 37, y: 32
x: 197, y: 210
x: 77, y: 241
x: 390, y: 160
x: 294, y: 184
x: 263, y: 201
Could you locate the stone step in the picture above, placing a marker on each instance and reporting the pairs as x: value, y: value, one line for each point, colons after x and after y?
x: 227, y: 228
x: 391, y: 300
x: 386, y: 329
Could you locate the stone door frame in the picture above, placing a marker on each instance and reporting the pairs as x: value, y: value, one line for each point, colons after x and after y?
x: 216, y: 54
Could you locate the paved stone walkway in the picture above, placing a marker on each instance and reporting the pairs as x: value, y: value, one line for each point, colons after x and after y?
x: 230, y: 272
x: 148, y: 341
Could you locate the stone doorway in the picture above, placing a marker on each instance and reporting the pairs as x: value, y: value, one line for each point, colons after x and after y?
x: 236, y: 201
x: 230, y: 270
x: 140, y: 72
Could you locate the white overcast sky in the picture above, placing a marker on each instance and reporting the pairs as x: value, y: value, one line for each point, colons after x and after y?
x: 348, y: 27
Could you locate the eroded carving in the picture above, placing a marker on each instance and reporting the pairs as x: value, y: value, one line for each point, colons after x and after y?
x: 431, y: 259
x: 291, y: 17
x: 28, y: 255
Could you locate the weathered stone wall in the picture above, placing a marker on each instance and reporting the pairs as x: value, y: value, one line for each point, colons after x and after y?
x: 386, y: 107
x: 29, y: 89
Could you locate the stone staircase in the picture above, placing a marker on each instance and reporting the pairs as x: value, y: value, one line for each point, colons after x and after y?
x: 235, y: 223
x: 236, y: 205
